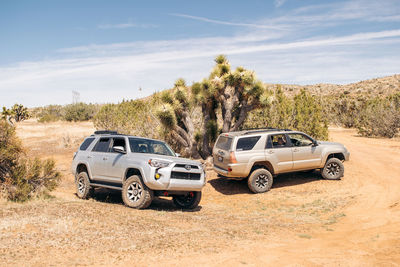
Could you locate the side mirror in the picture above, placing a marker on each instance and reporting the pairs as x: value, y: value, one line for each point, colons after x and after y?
x: 119, y: 149
x: 315, y: 143
x: 177, y: 154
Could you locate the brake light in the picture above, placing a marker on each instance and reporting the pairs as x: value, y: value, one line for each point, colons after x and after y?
x: 232, y: 158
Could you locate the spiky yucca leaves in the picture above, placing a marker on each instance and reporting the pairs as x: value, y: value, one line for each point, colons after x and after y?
x: 238, y: 92
x: 19, y: 112
x: 175, y: 116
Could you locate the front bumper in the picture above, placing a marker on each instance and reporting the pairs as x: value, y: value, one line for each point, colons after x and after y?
x: 168, y: 183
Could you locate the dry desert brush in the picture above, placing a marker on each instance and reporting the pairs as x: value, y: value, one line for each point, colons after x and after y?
x: 22, y: 178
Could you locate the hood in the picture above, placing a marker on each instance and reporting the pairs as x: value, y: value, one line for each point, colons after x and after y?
x: 326, y: 143
x: 167, y: 158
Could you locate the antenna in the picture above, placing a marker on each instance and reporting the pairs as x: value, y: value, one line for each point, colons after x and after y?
x: 75, y: 97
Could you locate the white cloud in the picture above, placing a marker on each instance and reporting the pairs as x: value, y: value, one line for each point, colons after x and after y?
x: 124, y: 26
x: 111, y: 78
x: 279, y: 3
x: 252, y: 25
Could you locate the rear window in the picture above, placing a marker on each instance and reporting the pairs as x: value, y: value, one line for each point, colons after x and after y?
x: 86, y: 143
x: 224, y: 143
x: 247, y: 143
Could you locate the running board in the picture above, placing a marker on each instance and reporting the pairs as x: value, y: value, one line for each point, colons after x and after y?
x: 107, y: 186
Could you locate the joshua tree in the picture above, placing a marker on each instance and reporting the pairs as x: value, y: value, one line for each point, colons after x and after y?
x: 19, y: 112
x: 235, y: 92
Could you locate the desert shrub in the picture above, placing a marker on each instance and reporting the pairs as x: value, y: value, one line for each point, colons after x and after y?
x: 71, y: 112
x: 79, y: 112
x: 49, y: 113
x: 380, y: 117
x: 133, y: 117
x: 303, y: 113
x: 20, y: 177
x: 342, y: 110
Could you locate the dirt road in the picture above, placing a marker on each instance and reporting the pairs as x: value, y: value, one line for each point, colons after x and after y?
x: 302, y: 221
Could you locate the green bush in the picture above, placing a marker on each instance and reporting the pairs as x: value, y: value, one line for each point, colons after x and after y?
x: 20, y: 177
x: 380, y: 117
x: 72, y: 112
x: 302, y: 113
x: 134, y: 117
x: 79, y: 112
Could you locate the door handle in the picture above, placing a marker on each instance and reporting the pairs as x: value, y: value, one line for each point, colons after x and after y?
x: 105, y: 158
x: 89, y: 157
x: 296, y: 150
x: 270, y: 151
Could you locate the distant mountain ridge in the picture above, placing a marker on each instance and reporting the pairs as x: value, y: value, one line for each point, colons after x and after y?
x: 377, y: 86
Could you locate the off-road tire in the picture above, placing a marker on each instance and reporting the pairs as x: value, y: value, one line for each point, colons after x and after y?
x: 83, y: 188
x: 136, y: 194
x: 189, y: 201
x: 333, y: 169
x: 260, y: 181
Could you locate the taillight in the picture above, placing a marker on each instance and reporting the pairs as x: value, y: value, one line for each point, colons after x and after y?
x: 232, y: 158
x: 74, y: 155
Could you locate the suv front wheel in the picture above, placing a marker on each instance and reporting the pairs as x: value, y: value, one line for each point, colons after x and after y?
x: 136, y: 194
x: 260, y: 181
x: 83, y: 188
x: 333, y: 169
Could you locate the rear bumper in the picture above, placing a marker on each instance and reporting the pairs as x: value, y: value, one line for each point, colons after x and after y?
x: 235, y: 171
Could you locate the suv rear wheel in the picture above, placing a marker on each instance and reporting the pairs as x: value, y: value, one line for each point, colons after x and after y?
x: 260, y: 181
x: 189, y: 201
x: 333, y: 169
x: 136, y: 194
x: 83, y: 188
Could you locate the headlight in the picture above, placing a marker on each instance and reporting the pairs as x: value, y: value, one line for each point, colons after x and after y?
x: 158, y: 163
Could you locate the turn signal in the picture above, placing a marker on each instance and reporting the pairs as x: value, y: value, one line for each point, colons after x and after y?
x: 157, y: 176
x: 232, y: 158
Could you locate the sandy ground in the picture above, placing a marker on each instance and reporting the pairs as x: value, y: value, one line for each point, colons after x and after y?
x: 302, y: 221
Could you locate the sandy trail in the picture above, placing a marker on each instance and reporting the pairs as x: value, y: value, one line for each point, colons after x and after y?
x: 302, y: 221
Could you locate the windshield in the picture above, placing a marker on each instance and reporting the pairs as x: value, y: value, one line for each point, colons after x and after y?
x: 140, y: 145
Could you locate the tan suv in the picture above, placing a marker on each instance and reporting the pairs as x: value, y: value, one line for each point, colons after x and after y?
x: 261, y: 154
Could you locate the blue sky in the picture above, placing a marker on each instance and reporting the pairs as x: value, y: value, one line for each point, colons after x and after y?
x: 114, y: 50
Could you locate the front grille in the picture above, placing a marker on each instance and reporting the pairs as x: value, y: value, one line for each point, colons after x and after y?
x: 185, y: 175
x: 185, y: 165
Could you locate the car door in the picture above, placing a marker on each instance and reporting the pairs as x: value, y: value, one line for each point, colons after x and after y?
x: 305, y: 154
x: 99, y: 155
x: 115, y: 163
x: 279, y: 152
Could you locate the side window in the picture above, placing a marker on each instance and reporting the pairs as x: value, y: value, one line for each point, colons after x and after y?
x: 86, y: 143
x: 278, y: 140
x: 300, y: 140
x: 119, y: 142
x: 102, y: 145
x: 247, y: 143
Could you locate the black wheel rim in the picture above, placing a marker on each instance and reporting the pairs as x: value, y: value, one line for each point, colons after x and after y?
x: 262, y: 181
x: 333, y: 169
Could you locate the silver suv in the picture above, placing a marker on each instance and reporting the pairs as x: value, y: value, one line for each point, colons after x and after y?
x: 140, y: 167
x: 263, y: 153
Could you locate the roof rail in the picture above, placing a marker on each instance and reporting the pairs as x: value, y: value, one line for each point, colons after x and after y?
x: 260, y: 130
x: 106, y: 132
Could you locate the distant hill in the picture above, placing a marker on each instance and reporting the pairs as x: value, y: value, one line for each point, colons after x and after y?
x: 378, y: 86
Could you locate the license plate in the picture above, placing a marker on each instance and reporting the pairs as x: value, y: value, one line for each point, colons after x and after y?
x: 220, y: 159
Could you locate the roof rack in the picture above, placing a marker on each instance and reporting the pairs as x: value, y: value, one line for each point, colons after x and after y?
x: 261, y: 130
x: 106, y: 132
